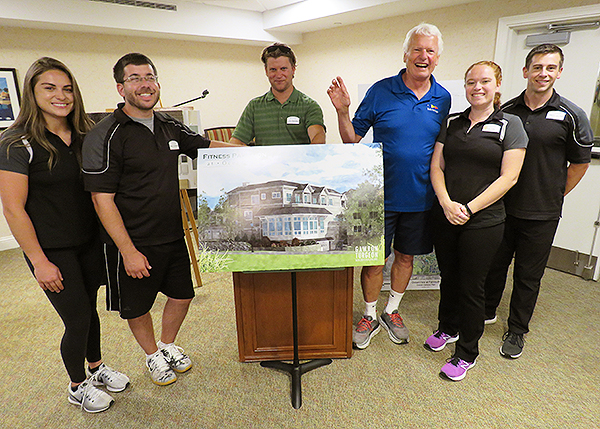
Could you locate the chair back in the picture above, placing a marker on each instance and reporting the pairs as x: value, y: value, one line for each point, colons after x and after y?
x: 219, y: 133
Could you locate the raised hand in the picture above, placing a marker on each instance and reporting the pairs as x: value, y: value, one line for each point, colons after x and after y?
x: 339, y: 95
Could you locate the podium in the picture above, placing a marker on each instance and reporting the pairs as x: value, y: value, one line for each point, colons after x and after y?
x: 320, y: 319
x: 263, y: 307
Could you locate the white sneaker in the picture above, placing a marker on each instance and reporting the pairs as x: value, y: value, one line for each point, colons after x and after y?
x: 174, y: 355
x: 160, y: 371
x: 491, y: 321
x: 90, y: 398
x: 113, y: 380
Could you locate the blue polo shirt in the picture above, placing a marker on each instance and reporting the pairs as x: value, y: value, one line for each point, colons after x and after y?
x: 407, y: 127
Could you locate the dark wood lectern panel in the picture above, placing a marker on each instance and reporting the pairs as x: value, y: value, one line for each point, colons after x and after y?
x: 264, y: 314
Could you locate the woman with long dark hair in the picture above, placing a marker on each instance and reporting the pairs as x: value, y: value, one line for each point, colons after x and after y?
x: 53, y: 220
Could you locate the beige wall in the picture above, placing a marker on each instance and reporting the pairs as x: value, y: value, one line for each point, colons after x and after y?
x: 361, y: 54
x: 230, y: 72
x: 365, y: 53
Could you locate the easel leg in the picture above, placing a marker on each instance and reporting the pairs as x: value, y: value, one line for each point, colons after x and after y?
x: 187, y: 216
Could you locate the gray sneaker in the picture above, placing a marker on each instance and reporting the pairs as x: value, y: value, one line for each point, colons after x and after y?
x: 90, y: 398
x: 395, y: 327
x: 512, y: 346
x: 364, y: 331
x: 114, y: 381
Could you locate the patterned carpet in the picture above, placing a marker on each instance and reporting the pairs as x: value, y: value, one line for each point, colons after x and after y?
x: 553, y: 385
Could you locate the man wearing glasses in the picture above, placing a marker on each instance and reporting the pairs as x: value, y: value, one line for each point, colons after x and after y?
x: 283, y: 115
x: 130, y: 165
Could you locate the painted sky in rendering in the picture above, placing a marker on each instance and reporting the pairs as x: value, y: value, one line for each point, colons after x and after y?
x: 338, y: 166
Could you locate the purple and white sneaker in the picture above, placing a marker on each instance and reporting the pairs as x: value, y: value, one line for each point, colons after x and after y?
x: 438, y: 341
x: 456, y: 369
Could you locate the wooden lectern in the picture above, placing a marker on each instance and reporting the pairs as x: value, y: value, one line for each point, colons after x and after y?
x: 263, y: 306
x: 299, y: 315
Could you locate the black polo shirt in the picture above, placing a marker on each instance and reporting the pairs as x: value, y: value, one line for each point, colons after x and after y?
x: 124, y: 157
x: 559, y: 133
x: 473, y: 158
x: 61, y: 211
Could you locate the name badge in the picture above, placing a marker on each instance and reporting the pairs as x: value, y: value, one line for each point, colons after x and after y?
x: 491, y: 128
x: 556, y: 115
x: 293, y: 120
x: 173, y: 145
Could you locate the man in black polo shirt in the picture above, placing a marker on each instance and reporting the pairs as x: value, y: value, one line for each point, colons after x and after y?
x: 130, y: 166
x: 558, y: 155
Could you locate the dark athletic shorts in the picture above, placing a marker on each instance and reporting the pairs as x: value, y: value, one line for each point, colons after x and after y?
x: 170, y: 274
x: 410, y: 233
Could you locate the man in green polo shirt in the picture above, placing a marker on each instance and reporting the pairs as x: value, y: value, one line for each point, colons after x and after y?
x: 283, y: 115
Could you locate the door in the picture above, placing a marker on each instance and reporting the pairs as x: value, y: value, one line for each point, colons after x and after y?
x: 577, y: 83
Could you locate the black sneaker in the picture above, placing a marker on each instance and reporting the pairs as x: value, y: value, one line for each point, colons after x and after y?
x: 512, y: 346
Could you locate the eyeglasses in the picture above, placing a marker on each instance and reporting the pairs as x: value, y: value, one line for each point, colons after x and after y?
x: 136, y: 78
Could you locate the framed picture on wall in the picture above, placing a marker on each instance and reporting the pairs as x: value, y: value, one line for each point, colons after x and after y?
x: 9, y: 97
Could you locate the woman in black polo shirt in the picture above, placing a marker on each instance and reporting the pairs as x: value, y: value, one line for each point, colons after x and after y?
x: 477, y: 158
x: 53, y: 220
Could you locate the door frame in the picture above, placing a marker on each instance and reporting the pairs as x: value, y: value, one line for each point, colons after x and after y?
x: 506, y: 38
x: 508, y: 28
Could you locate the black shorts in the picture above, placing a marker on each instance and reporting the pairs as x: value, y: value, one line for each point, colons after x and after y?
x: 410, y: 233
x: 170, y: 274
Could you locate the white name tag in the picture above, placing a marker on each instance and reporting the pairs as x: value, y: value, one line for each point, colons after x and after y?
x: 293, y: 120
x: 173, y: 145
x: 491, y: 128
x: 556, y: 115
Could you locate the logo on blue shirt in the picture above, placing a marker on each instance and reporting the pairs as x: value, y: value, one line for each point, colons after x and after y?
x: 433, y: 108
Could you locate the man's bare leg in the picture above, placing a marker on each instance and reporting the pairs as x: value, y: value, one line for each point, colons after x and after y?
x: 173, y: 316
x: 401, y: 271
x: 143, y: 331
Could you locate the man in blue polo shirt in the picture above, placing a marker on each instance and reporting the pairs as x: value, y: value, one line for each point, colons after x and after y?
x: 405, y: 112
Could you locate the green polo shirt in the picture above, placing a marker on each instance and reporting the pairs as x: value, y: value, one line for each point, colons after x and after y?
x: 270, y: 123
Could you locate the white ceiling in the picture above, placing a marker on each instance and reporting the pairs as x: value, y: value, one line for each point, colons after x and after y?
x: 255, y: 5
x: 302, y: 16
x: 230, y: 21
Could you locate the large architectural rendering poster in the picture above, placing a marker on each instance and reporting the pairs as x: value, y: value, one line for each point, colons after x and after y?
x: 292, y: 207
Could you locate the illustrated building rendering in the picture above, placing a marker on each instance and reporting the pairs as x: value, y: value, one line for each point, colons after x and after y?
x: 282, y: 210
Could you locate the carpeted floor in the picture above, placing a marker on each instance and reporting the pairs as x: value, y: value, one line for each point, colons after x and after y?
x: 553, y: 385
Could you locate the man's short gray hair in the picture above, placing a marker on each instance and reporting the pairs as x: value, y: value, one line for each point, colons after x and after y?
x: 424, y: 29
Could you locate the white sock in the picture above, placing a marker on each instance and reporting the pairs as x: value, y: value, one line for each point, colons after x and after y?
x: 153, y: 354
x: 393, y: 301
x: 371, y: 309
x: 162, y: 345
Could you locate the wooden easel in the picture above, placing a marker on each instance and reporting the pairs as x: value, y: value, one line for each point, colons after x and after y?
x: 189, y: 223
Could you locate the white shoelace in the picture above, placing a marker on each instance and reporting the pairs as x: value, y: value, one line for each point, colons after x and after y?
x: 89, y: 391
x: 107, y: 374
x: 174, y: 352
x: 159, y: 363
